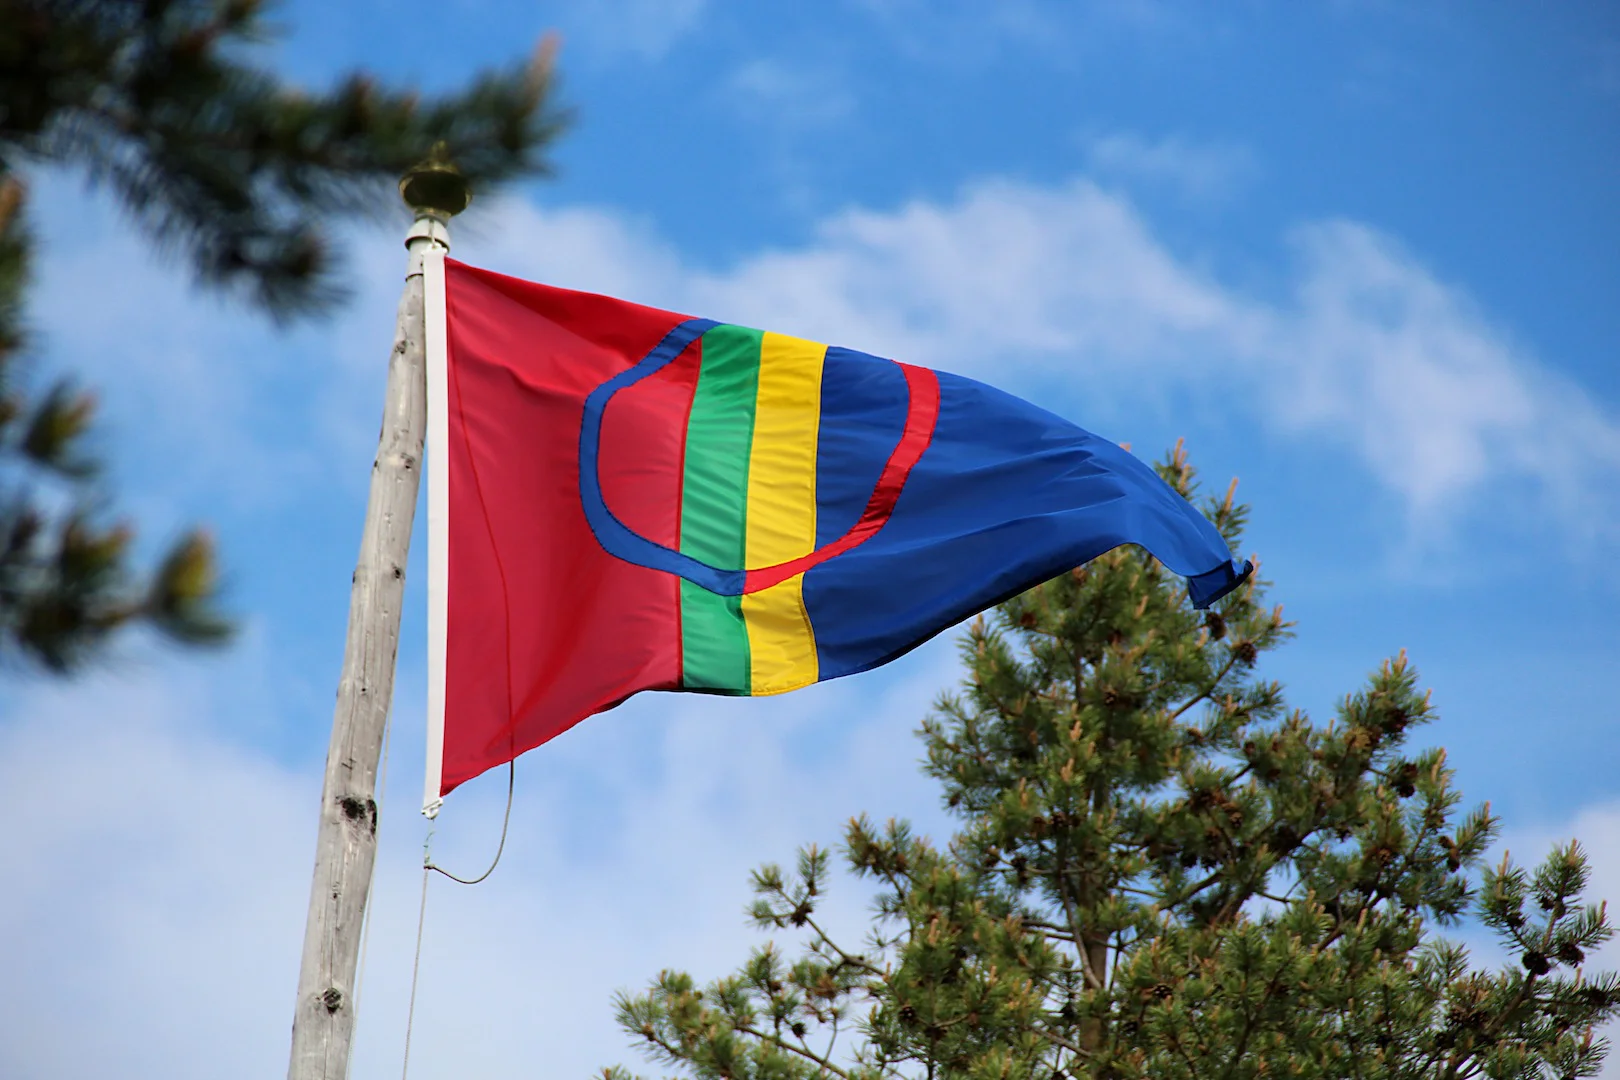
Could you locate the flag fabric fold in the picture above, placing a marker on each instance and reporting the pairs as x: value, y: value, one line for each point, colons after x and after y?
x: 627, y: 499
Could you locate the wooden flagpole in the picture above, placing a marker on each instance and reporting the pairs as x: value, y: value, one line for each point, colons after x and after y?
x: 346, y: 847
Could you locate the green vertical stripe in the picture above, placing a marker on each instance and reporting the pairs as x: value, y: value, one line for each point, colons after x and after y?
x: 714, y: 507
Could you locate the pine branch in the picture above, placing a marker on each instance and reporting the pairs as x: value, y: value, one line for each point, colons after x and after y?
x: 224, y: 166
x: 1065, y: 927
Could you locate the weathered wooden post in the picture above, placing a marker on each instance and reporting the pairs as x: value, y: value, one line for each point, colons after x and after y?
x: 346, y: 848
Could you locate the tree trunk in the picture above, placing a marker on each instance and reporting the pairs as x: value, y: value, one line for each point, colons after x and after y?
x: 346, y: 848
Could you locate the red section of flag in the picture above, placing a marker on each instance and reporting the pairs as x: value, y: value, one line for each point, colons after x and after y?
x: 537, y: 611
x: 641, y: 452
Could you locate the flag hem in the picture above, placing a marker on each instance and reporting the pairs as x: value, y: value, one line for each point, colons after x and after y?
x: 436, y: 348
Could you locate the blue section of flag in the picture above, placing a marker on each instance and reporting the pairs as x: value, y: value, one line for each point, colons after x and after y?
x: 1006, y: 496
x: 863, y: 411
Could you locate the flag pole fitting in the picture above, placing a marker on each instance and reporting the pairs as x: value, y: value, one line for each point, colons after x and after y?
x: 434, y: 187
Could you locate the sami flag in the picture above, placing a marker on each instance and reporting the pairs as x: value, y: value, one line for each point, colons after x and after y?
x: 626, y: 499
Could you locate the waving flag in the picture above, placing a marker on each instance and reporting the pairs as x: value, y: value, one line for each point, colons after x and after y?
x: 626, y: 499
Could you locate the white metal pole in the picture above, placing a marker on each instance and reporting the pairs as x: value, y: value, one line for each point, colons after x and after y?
x: 346, y: 848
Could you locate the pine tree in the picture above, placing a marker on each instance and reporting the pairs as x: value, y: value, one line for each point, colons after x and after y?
x: 1162, y: 871
x: 235, y: 174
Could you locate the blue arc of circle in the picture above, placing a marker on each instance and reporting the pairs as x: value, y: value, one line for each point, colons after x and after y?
x: 617, y: 538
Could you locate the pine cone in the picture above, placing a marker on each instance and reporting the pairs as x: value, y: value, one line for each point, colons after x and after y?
x: 1596, y: 997
x: 1570, y: 953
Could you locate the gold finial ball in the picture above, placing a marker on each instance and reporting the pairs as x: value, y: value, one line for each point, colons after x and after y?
x: 435, y: 186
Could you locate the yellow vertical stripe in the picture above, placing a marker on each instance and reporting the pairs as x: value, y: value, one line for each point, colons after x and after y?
x: 782, y: 510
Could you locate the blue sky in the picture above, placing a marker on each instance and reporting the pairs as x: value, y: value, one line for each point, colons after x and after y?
x: 1363, y: 256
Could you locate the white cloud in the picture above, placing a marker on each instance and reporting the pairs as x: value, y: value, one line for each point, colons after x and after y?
x: 642, y: 30
x: 1201, y: 170
x: 1439, y: 402
x: 965, y: 34
x: 782, y: 94
x: 153, y: 905
x: 1035, y: 278
x: 203, y: 396
x: 150, y: 897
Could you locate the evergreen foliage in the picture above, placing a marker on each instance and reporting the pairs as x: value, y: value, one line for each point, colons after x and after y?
x: 1162, y: 871
x: 236, y: 174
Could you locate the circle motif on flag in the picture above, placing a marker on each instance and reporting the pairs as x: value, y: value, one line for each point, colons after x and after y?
x: 621, y: 541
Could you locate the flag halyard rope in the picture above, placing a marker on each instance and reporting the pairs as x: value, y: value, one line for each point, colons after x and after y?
x: 506, y: 821
x: 416, y: 966
x: 430, y: 867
